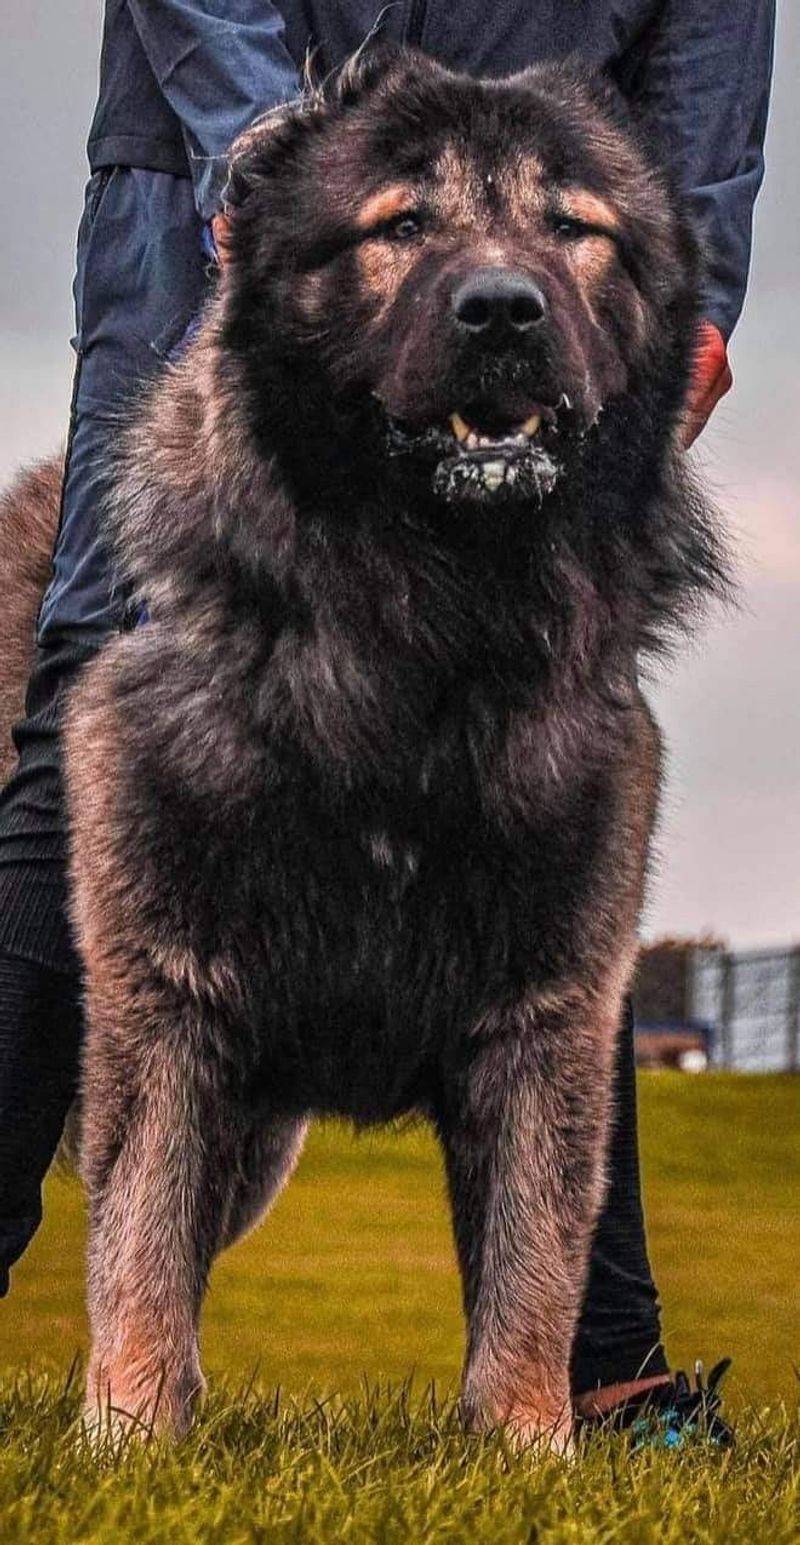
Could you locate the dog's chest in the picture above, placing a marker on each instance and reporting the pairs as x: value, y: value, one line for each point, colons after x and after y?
x: 397, y: 868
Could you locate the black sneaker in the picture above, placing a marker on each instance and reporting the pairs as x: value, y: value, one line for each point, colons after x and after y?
x: 669, y: 1414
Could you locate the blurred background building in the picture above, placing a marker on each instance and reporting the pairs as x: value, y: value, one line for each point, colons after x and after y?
x: 700, y: 1005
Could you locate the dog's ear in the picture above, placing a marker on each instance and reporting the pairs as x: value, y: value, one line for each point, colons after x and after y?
x: 257, y: 151
x: 262, y: 149
x: 266, y: 143
x: 371, y: 64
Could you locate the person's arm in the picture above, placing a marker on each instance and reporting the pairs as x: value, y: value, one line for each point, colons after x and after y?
x: 219, y: 64
x: 704, y: 89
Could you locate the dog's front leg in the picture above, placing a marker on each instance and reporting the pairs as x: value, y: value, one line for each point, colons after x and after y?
x: 523, y: 1124
x: 175, y: 1169
x: 158, y: 1155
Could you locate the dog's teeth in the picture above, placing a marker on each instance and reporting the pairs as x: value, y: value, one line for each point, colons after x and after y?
x: 531, y: 425
x: 460, y: 429
x: 493, y: 474
x: 472, y: 441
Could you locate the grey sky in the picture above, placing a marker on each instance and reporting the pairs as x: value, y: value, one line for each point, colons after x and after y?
x: 730, y: 835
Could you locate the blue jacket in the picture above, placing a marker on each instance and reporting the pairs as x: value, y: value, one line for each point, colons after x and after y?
x: 180, y: 78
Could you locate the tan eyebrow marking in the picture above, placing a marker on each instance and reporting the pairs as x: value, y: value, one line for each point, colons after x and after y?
x: 528, y: 177
x: 384, y: 205
x: 589, y: 207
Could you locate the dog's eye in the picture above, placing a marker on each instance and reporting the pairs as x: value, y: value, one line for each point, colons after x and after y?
x: 403, y: 228
x: 570, y: 229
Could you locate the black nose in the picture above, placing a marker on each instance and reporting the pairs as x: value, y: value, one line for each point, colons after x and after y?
x: 500, y: 302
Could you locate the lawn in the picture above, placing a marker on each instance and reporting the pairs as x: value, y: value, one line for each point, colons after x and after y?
x: 353, y: 1279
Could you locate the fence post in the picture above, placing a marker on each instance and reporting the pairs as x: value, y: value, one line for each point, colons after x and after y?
x: 726, y: 1011
x: 793, y: 1013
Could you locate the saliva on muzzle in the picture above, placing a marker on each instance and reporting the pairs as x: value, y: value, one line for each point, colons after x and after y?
x: 527, y: 472
x: 468, y: 465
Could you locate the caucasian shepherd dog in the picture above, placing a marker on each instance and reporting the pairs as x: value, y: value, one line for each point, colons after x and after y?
x: 361, y: 815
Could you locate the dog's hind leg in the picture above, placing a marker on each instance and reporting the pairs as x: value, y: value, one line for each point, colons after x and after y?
x: 523, y: 1125
x: 267, y: 1155
x: 170, y: 1167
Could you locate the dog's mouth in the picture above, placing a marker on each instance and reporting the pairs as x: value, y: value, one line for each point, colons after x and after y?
x: 483, y: 454
x: 493, y: 446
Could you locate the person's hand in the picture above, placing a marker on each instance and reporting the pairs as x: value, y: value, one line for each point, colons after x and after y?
x: 219, y: 231
x: 711, y: 379
x: 213, y: 236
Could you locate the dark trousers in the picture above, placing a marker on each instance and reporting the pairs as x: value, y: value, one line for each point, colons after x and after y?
x: 139, y: 280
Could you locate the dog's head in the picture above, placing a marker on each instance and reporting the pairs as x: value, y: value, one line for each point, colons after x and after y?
x: 456, y: 282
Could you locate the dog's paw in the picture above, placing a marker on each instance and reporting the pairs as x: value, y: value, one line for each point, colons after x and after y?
x: 545, y: 1429
x: 540, y: 1435
x: 108, y: 1427
x: 132, y: 1406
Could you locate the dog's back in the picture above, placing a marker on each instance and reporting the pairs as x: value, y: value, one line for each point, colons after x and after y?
x: 28, y: 521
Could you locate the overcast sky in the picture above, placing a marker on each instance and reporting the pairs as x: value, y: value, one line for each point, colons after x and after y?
x: 729, y: 846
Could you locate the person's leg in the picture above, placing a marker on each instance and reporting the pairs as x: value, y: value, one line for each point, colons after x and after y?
x: 618, y: 1348
x: 40, y: 1020
x: 40, y: 1014
x: 140, y: 275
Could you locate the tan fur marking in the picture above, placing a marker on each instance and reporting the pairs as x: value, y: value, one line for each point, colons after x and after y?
x: 458, y: 189
x: 593, y: 256
x: 522, y: 185
x: 384, y: 205
x: 580, y: 204
x: 591, y: 260
x: 210, y: 981
x: 384, y: 266
x: 521, y: 1384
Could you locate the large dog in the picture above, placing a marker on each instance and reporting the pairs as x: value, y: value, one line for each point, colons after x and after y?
x: 361, y: 815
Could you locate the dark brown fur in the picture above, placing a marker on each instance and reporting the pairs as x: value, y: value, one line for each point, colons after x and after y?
x: 28, y: 520
x: 361, y: 817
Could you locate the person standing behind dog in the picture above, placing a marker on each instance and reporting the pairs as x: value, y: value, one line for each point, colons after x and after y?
x: 178, y: 81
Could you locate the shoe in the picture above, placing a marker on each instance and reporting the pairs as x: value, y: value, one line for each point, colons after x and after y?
x: 668, y: 1415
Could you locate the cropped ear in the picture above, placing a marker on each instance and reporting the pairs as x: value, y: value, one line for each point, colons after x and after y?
x: 377, y: 58
x: 258, y: 150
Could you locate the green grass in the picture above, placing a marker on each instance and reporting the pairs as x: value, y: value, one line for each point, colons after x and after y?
x: 353, y: 1278
x: 379, y: 1467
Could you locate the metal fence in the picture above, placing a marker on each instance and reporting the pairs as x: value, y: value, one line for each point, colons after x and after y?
x: 751, y: 1003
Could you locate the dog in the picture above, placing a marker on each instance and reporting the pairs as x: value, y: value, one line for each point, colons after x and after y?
x: 361, y: 815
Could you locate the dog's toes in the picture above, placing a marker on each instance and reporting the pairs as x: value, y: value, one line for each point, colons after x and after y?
x: 540, y: 1436
x: 107, y: 1427
x: 135, y: 1408
x: 542, y: 1431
